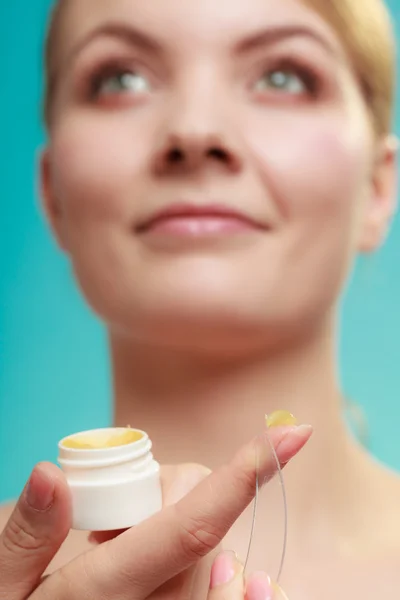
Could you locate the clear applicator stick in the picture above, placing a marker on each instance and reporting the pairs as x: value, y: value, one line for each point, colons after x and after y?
x: 275, y: 419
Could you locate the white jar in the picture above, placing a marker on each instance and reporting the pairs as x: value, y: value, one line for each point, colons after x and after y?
x: 112, y: 487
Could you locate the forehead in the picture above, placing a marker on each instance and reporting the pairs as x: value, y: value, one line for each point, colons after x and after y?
x: 189, y: 23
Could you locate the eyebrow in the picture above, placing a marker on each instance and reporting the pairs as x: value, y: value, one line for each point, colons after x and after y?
x: 135, y: 37
x: 128, y: 34
x: 270, y: 36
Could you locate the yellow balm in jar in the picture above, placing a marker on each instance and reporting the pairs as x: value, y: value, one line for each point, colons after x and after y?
x: 102, y: 439
x: 113, y: 478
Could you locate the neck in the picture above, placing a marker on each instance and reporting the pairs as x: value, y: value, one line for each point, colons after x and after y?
x: 202, y: 411
x: 199, y: 410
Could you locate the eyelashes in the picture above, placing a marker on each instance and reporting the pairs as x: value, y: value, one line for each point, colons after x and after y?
x: 283, y: 77
x: 289, y: 77
x: 116, y: 77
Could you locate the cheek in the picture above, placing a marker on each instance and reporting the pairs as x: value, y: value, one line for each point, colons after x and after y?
x: 316, y: 170
x: 95, y: 164
x: 316, y: 167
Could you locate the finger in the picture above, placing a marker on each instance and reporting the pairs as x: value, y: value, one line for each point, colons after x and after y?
x: 180, y: 535
x: 144, y: 558
x: 34, y: 533
x: 226, y: 580
x: 202, y: 571
x: 259, y: 587
x: 176, y: 482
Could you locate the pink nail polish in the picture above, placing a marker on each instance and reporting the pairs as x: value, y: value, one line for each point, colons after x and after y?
x: 223, y: 569
x: 259, y: 587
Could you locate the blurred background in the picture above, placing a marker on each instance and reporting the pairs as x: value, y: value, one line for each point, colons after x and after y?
x: 54, y: 376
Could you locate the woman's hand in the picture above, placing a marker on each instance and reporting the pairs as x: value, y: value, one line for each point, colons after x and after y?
x: 155, y: 557
x: 227, y: 582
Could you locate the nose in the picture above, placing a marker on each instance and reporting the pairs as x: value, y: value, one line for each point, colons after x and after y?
x: 195, y: 140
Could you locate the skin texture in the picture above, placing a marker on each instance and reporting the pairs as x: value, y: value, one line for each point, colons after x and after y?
x: 218, y: 330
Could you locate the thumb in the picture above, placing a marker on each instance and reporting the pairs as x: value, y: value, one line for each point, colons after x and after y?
x: 35, y: 531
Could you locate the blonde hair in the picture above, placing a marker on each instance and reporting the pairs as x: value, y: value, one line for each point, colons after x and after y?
x: 363, y: 26
x: 365, y: 29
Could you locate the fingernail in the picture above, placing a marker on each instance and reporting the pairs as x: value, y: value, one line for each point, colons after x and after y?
x: 259, y: 587
x: 292, y: 442
x: 40, y: 490
x: 223, y: 569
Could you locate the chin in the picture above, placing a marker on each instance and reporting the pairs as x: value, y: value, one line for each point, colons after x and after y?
x: 213, y: 310
x: 223, y: 328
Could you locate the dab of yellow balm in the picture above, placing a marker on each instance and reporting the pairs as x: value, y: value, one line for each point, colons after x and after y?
x: 280, y: 417
x: 98, y: 442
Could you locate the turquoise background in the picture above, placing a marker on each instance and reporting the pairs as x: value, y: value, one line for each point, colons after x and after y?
x: 54, y: 375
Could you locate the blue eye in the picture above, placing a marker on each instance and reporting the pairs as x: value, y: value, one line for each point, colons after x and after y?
x: 283, y: 80
x: 122, y: 82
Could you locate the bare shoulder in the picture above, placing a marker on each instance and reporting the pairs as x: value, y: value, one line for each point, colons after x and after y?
x: 385, y: 495
x: 75, y: 544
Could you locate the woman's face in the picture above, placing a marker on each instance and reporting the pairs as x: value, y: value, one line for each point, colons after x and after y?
x: 246, y: 107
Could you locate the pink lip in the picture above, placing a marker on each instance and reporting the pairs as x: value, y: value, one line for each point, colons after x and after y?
x: 194, y: 220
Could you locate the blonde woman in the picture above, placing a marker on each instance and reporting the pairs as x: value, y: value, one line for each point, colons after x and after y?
x: 212, y: 170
